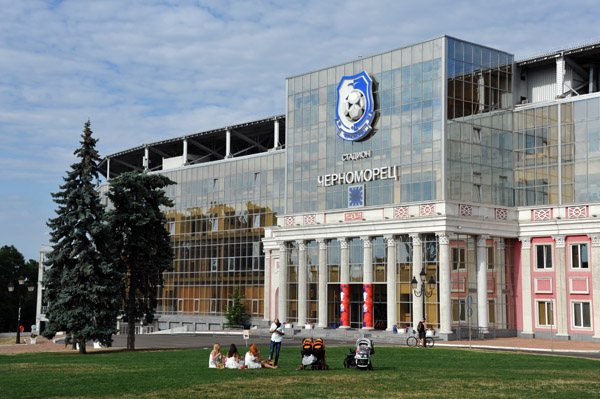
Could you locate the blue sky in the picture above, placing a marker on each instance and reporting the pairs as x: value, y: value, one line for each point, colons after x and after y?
x: 144, y: 71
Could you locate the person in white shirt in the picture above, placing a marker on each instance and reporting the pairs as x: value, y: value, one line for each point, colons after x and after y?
x: 215, y: 357
x: 253, y: 360
x: 276, y: 338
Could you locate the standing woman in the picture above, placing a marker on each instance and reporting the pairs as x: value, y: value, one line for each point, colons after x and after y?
x: 215, y: 357
x: 232, y: 359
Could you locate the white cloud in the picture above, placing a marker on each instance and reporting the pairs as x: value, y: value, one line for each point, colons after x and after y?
x: 143, y: 70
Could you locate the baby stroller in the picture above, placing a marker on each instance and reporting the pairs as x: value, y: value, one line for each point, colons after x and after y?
x: 313, y: 355
x: 320, y: 355
x: 364, y: 350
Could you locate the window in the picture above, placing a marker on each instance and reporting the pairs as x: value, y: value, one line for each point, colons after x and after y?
x: 476, y: 193
x: 490, y: 258
x: 213, y: 305
x: 231, y: 265
x: 214, y: 265
x: 581, y: 315
x: 459, y: 310
x: 579, y: 256
x: 545, y: 314
x: 543, y: 256
x: 458, y: 258
x: 492, y: 311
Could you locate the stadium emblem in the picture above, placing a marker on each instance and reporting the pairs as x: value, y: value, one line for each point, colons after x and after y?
x: 354, y: 106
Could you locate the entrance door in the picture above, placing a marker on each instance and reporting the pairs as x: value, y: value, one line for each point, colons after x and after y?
x: 380, y: 306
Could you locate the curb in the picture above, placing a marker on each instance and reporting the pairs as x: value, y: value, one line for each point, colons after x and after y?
x: 516, y: 348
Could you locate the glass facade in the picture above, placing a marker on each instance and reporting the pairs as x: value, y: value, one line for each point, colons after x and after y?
x: 557, y: 153
x: 479, y: 124
x: 407, y: 131
x: 216, y: 226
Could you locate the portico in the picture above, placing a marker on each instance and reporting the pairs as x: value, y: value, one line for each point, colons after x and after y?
x: 366, y: 261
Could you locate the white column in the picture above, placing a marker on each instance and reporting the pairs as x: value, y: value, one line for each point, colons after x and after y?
x: 500, y: 273
x: 445, y: 284
x: 482, y: 284
x: 107, y: 169
x: 344, y: 264
x: 146, y: 160
x: 392, y: 300
x: 267, y: 288
x: 276, y: 134
x: 185, y: 151
x: 302, y: 277
x: 368, y: 271
x: 417, y: 263
x: 322, y: 283
x: 228, y: 144
x: 282, y: 296
x: 595, y: 265
x: 561, y: 312
x: 526, y: 285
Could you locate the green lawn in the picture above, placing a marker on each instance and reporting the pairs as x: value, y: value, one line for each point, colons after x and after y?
x: 399, y: 372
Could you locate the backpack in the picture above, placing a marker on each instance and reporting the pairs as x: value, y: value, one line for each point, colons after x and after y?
x: 420, y: 327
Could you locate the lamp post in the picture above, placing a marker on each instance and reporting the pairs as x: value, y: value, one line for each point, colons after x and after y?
x: 423, y: 291
x: 19, y: 291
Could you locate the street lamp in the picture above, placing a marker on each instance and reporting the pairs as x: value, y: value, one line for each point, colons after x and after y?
x: 11, y: 288
x: 423, y: 290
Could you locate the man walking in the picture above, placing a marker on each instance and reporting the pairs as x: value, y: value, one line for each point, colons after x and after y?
x: 276, y: 338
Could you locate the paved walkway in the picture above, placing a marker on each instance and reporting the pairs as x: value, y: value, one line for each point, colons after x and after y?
x: 200, y: 340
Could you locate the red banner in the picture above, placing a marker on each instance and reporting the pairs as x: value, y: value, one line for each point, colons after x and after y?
x: 368, y: 305
x: 344, y: 305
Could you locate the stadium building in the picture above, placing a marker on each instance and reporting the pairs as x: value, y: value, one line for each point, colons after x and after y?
x: 442, y: 179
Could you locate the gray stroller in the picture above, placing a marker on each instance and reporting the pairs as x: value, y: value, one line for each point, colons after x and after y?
x: 364, y: 350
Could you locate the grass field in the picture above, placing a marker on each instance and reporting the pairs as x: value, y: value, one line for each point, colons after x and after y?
x: 399, y: 372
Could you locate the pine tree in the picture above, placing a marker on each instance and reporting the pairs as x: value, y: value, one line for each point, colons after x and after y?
x: 82, y: 285
x: 236, y: 313
x: 142, y: 242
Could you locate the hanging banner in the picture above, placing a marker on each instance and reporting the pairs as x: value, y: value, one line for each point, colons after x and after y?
x: 344, y: 305
x: 367, y: 305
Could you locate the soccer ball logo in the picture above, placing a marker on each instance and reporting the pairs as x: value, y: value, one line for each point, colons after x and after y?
x: 355, y: 104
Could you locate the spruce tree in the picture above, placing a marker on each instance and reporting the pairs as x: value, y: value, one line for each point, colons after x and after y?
x: 142, y: 242
x: 236, y: 313
x: 82, y: 285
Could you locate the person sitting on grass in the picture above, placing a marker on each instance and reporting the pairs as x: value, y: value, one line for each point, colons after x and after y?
x: 232, y: 359
x: 253, y: 359
x: 215, y: 357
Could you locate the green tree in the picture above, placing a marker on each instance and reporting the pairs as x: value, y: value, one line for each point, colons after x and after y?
x: 142, y: 242
x: 12, y: 267
x: 82, y: 285
x: 236, y: 313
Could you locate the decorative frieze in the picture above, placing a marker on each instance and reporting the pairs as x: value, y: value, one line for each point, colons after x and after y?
x: 401, y: 212
x: 501, y: 214
x: 427, y: 210
x: 290, y: 221
x: 541, y: 214
x: 353, y: 216
x: 309, y: 219
x: 465, y: 210
x: 575, y: 212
